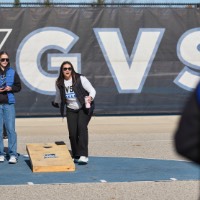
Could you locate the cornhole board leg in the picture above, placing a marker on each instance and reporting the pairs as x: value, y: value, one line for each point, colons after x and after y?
x: 50, y: 157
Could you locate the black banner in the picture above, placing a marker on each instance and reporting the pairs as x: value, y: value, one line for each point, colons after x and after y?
x: 140, y: 60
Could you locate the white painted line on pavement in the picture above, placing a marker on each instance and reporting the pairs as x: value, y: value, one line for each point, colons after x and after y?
x: 103, y: 181
x: 173, y: 179
x: 30, y: 183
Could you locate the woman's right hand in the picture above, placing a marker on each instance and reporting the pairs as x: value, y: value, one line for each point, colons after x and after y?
x: 56, y: 105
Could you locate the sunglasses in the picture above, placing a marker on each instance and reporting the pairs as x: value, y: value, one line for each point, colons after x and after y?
x: 4, y: 59
x: 65, y: 69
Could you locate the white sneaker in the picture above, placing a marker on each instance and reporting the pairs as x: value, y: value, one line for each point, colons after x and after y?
x: 12, y: 160
x: 83, y: 160
x: 2, y: 158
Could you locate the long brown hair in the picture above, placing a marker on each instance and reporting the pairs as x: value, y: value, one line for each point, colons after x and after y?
x: 60, y: 79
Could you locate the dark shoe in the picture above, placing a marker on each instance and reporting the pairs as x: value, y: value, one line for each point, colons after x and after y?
x: 76, y: 158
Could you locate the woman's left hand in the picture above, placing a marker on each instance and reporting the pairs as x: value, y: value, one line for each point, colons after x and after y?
x: 8, y: 88
x: 90, y: 99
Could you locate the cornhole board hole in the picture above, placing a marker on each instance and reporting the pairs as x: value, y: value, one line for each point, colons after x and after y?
x: 50, y: 157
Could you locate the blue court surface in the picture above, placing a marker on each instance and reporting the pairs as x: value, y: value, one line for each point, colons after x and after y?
x: 101, y: 169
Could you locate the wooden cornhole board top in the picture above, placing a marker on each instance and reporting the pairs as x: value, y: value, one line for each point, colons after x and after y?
x: 50, y: 157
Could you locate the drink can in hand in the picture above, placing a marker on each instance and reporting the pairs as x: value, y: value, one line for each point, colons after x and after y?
x: 87, y: 104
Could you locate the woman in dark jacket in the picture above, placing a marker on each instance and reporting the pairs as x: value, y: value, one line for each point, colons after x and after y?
x: 71, y: 91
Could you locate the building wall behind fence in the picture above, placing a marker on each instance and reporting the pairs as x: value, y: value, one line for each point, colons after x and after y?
x: 140, y: 60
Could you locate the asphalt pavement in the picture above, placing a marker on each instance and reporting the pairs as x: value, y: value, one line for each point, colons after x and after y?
x: 148, y: 166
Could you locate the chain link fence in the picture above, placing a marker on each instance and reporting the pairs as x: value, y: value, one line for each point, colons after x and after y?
x: 95, y: 3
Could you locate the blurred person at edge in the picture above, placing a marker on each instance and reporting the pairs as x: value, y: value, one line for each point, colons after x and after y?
x: 187, y: 136
x: 71, y: 90
x: 9, y: 84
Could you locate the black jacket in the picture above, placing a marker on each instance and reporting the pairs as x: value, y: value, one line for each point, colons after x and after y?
x: 80, y: 93
x: 187, y: 136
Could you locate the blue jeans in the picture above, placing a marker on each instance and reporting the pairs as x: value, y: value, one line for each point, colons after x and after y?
x: 7, y: 116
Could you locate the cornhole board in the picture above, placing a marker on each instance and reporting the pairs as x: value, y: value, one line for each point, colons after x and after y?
x: 50, y: 157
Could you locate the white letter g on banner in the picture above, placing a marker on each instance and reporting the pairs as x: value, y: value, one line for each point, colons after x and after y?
x: 30, y: 51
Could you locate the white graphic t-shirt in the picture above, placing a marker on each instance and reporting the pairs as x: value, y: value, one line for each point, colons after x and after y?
x: 71, y: 99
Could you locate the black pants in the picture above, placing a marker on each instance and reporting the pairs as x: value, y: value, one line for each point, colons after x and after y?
x: 77, y: 121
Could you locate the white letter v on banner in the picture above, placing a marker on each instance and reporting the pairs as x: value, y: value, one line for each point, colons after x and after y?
x: 129, y: 73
